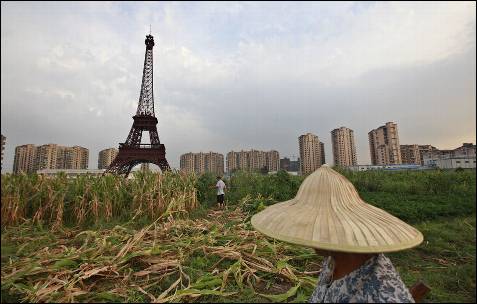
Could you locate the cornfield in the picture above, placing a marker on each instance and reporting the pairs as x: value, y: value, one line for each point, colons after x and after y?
x: 87, y: 200
x: 149, y: 240
x: 216, y: 258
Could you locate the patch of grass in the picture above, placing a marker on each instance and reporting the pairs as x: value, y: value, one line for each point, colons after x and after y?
x: 215, y: 257
x: 416, y: 208
x: 445, y: 261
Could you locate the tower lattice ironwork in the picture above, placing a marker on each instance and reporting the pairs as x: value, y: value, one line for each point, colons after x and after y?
x: 132, y: 152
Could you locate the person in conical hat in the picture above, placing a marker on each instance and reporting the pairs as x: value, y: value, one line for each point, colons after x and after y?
x: 328, y: 215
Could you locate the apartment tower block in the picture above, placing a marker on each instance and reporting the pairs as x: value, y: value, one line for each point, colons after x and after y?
x: 312, y: 153
x: 24, y: 160
x: 344, y: 149
x: 106, y: 157
x: 384, y: 145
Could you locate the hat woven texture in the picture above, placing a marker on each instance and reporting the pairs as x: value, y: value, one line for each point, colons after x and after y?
x: 327, y: 213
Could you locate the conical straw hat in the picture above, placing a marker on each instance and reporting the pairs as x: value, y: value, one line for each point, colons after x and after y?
x: 327, y: 213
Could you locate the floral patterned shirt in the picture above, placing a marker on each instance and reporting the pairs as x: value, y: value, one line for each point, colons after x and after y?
x: 376, y: 281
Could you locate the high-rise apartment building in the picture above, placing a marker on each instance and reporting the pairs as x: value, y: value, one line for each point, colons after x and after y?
x: 384, y: 145
x: 215, y: 163
x: 46, y: 156
x: 273, y: 160
x: 75, y: 157
x: 243, y: 161
x: 24, y: 160
x: 64, y: 156
x: 2, y: 148
x: 343, y: 146
x: 200, y: 165
x: 410, y: 154
x: 414, y: 154
x: 312, y: 153
x: 202, y: 162
x: 29, y: 158
x: 257, y: 160
x: 187, y: 162
x: 106, y: 157
x: 80, y: 158
x: 232, y: 160
x: 254, y: 160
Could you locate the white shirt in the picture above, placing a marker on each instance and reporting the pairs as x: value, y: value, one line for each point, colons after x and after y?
x: 220, y: 187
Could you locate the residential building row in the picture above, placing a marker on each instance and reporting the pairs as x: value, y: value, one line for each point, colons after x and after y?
x: 414, y: 154
x: 253, y: 160
x: 52, y: 159
x: 463, y: 157
x: 385, y: 150
x: 30, y: 158
x: 202, y: 162
x: 312, y: 155
x: 384, y: 145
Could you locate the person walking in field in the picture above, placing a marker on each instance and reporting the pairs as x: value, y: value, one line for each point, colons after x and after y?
x: 220, y: 186
x: 328, y: 215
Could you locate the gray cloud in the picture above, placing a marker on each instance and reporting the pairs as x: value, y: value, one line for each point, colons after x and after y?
x: 238, y: 77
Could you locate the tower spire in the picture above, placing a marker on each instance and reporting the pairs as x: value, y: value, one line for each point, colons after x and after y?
x: 132, y: 152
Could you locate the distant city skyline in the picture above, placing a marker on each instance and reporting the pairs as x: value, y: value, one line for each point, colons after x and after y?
x: 238, y: 76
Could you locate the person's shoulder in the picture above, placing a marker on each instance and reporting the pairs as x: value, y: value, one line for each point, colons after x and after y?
x: 388, y: 282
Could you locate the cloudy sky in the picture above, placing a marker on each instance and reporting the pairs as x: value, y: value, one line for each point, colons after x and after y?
x: 237, y: 75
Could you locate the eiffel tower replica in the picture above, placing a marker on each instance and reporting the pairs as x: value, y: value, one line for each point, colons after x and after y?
x: 132, y: 152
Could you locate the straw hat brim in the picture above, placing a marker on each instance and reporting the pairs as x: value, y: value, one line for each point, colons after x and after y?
x: 327, y: 213
x: 257, y: 219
